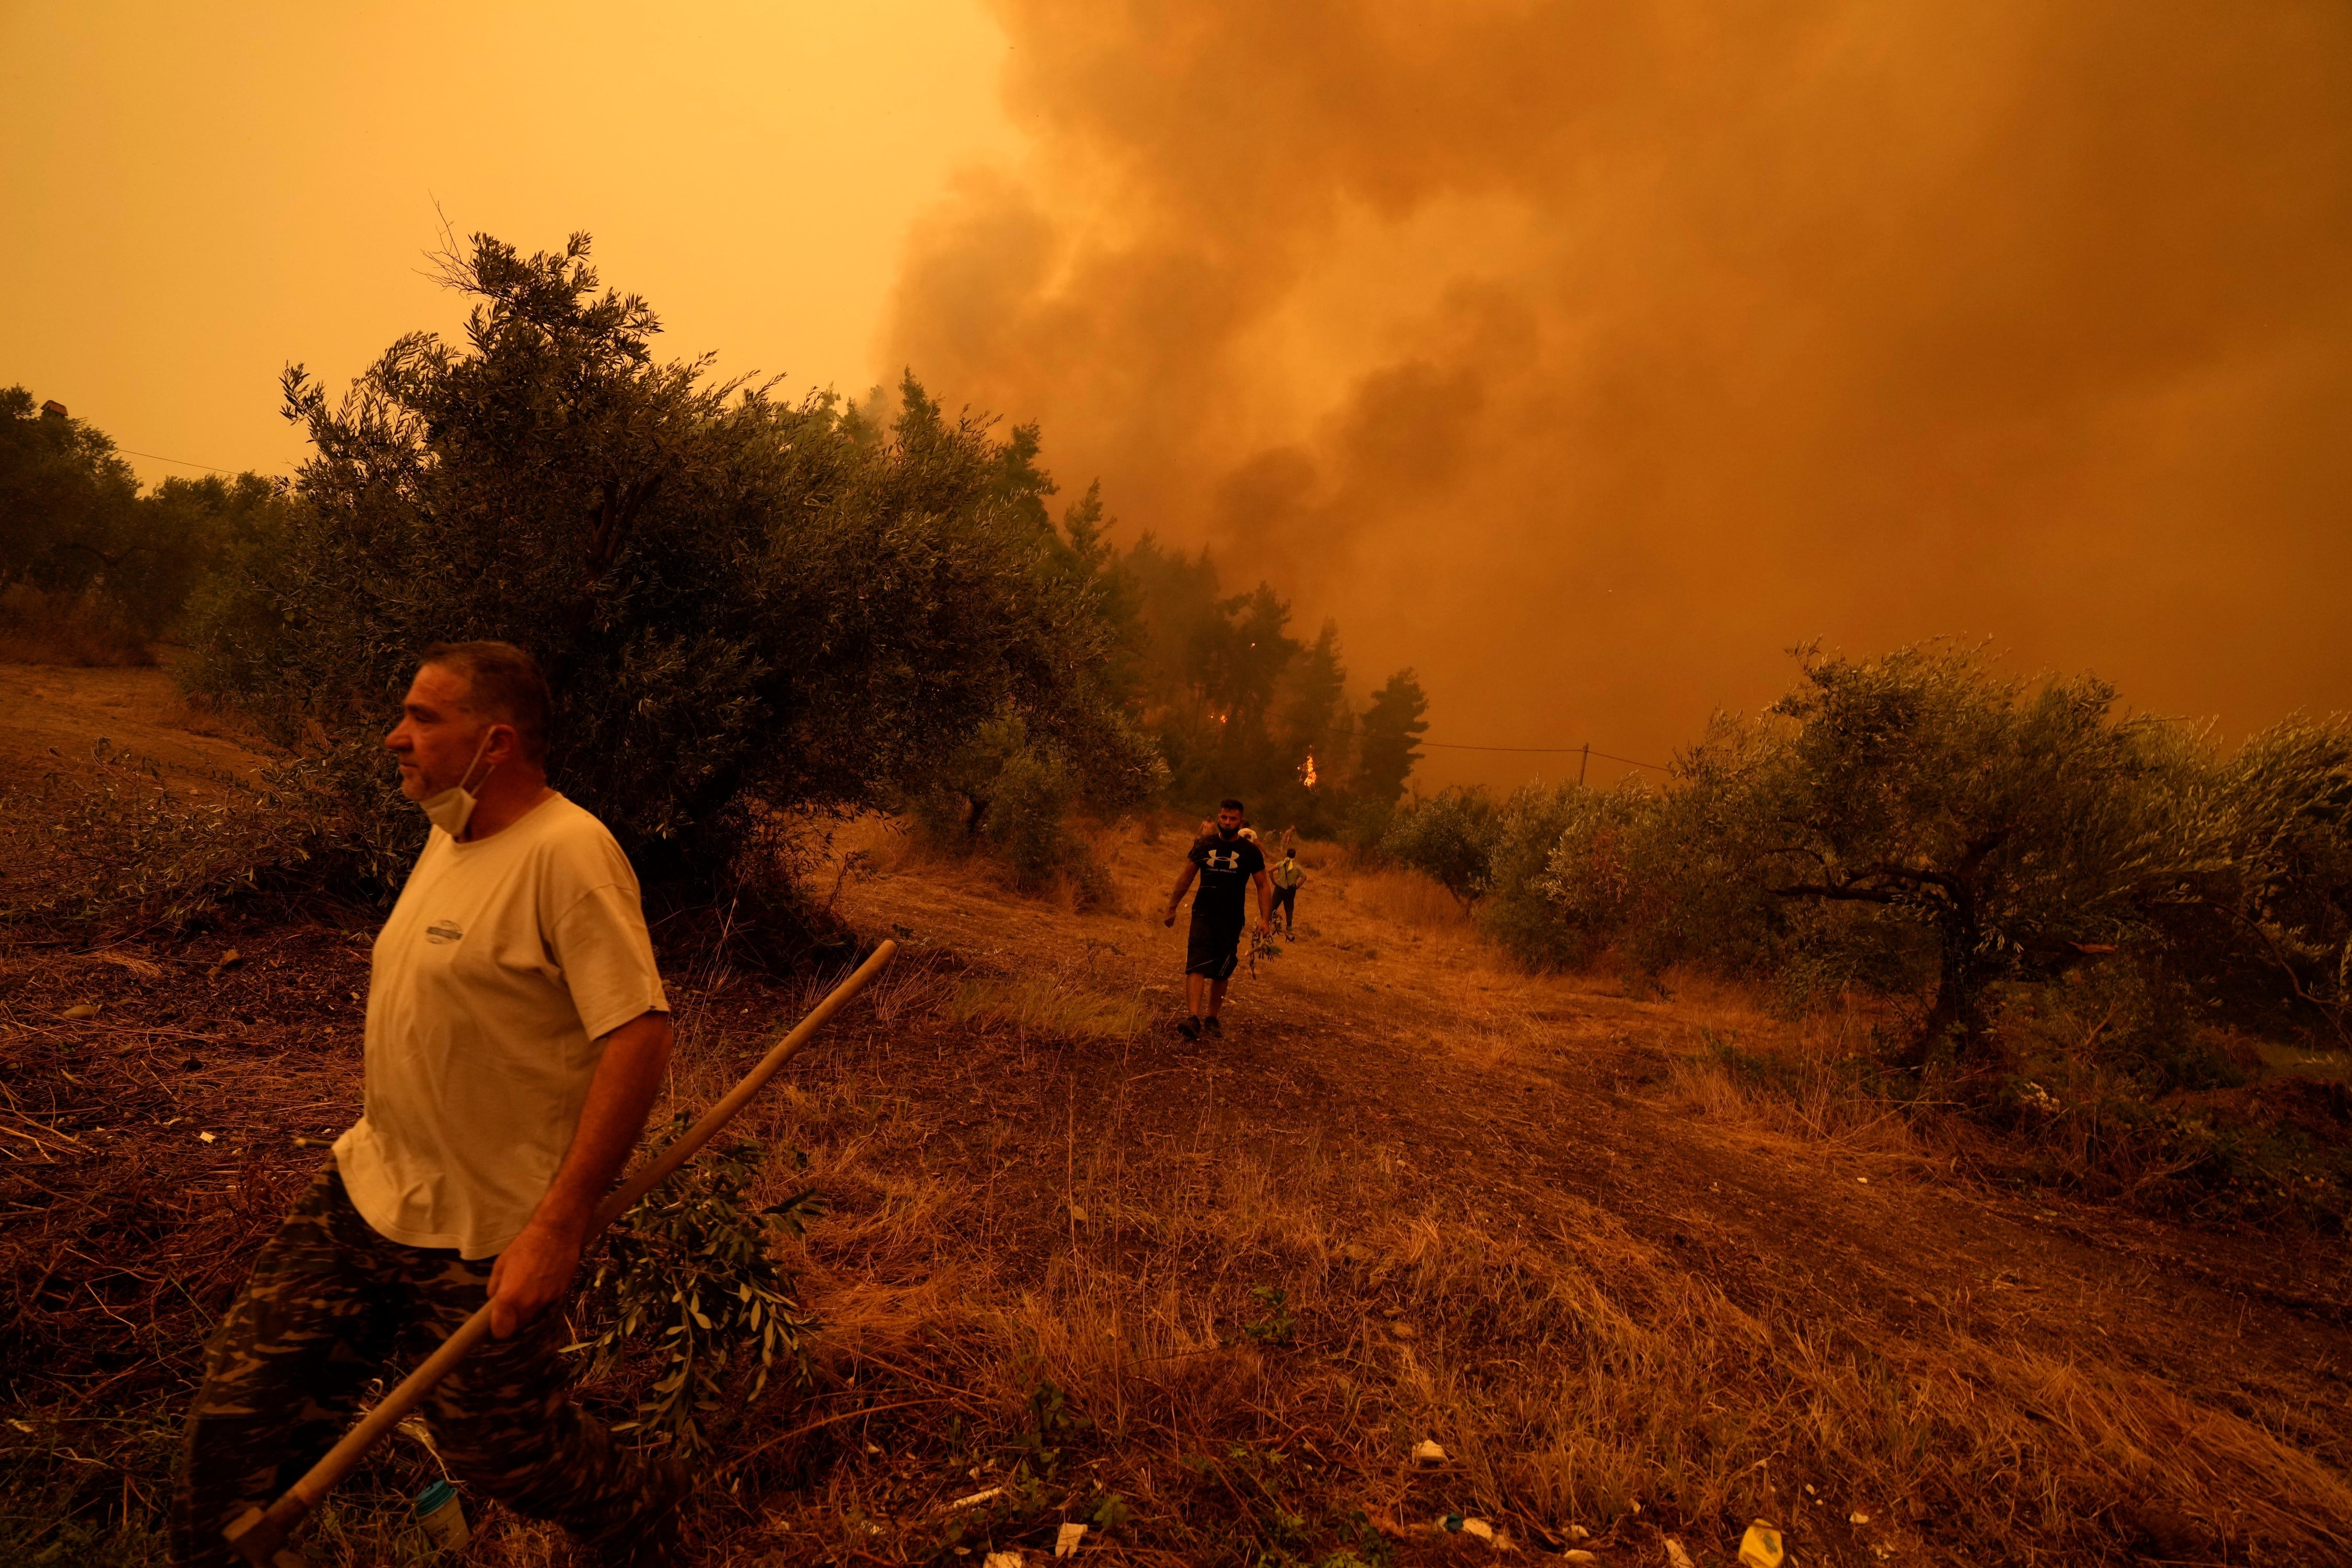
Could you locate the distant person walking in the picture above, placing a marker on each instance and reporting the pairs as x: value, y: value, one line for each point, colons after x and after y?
x: 1228, y: 864
x: 1288, y: 879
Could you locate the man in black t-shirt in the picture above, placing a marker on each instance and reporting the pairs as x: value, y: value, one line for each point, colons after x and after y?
x: 1227, y: 864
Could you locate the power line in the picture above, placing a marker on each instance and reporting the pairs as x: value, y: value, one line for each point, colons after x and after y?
x: 183, y: 462
x: 1549, y: 750
x: 1527, y: 751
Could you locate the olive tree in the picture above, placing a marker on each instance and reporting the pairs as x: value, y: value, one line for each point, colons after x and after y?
x: 2021, y: 825
x: 1449, y: 837
x: 749, y: 607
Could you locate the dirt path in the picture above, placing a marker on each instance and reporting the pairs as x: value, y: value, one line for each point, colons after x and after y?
x: 1527, y: 1105
x: 1411, y: 1194
x: 1515, y: 1088
x: 56, y: 713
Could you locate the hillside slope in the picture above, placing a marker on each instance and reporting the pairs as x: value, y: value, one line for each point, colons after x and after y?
x: 1210, y: 1295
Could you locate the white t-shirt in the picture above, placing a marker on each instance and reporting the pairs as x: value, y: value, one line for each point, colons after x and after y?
x: 504, y: 965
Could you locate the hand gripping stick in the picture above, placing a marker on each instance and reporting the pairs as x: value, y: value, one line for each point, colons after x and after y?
x: 259, y: 1536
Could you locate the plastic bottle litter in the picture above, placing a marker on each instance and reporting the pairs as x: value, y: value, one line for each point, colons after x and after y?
x: 1760, y: 1547
x: 1066, y: 1539
x: 442, y: 1517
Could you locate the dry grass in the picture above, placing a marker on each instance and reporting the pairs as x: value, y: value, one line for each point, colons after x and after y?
x: 195, y: 715
x: 1056, y: 1243
x: 1406, y: 898
x: 1578, y: 1377
x: 47, y: 629
x: 1575, y: 1375
x: 1046, y: 1007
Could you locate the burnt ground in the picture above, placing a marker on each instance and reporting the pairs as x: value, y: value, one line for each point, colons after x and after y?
x: 1504, y: 1213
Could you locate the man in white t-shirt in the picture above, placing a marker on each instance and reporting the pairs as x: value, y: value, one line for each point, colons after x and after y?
x: 517, y: 1036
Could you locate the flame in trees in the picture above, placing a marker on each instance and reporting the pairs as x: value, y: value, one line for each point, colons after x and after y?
x: 1306, y: 774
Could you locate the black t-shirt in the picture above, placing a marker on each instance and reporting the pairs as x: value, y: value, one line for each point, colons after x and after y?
x: 1227, y: 866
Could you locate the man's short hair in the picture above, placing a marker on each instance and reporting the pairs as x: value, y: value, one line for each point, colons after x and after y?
x: 505, y: 685
x: 1229, y: 804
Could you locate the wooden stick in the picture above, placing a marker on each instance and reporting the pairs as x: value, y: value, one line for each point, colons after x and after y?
x: 259, y: 1535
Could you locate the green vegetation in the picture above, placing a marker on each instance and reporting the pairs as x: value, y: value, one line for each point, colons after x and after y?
x: 89, y: 565
x: 750, y: 610
x: 1920, y: 824
x: 2048, y: 904
x: 685, y: 1283
x: 1238, y: 706
x: 754, y: 613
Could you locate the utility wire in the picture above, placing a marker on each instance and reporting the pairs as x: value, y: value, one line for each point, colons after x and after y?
x: 1527, y: 751
x: 1549, y: 750
x: 182, y: 461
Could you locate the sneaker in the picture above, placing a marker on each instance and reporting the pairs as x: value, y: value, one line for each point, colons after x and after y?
x: 1190, y: 1028
x: 1213, y: 1028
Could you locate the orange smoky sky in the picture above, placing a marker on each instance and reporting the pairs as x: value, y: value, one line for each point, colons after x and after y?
x: 1582, y: 355
x: 193, y: 195
x: 1587, y: 356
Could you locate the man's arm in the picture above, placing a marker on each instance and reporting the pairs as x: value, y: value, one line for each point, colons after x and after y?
x: 537, y: 1265
x: 1264, y: 899
x: 1177, y: 897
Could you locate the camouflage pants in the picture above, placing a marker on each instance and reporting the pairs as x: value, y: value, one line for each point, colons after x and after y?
x: 329, y: 1304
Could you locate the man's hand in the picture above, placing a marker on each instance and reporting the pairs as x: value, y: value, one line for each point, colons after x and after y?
x: 534, y: 1270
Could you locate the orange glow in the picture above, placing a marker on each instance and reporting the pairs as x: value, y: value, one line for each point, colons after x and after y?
x: 1582, y: 357
x: 1306, y: 774
x: 1585, y: 357
x: 204, y: 193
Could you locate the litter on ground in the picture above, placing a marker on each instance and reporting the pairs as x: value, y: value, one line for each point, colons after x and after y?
x: 1760, y: 1547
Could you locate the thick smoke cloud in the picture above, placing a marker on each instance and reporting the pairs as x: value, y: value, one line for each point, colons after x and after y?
x: 1587, y: 356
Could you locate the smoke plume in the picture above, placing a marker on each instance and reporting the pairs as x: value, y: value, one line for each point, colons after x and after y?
x: 1587, y: 356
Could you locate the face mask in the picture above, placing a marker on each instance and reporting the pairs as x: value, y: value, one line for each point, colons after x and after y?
x: 452, y: 808
x: 1225, y: 832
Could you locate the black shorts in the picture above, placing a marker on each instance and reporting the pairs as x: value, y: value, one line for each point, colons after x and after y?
x: 1213, y: 951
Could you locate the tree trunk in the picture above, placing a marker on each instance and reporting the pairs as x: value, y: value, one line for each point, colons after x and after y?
x: 1958, y: 1014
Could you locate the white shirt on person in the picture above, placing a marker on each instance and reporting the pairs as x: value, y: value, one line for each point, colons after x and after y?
x: 504, y: 965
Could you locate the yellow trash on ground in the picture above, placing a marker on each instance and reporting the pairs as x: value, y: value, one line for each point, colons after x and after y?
x: 1760, y: 1547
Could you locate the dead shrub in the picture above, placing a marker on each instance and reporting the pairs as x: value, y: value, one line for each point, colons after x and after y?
x: 1407, y: 899
x: 67, y: 628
